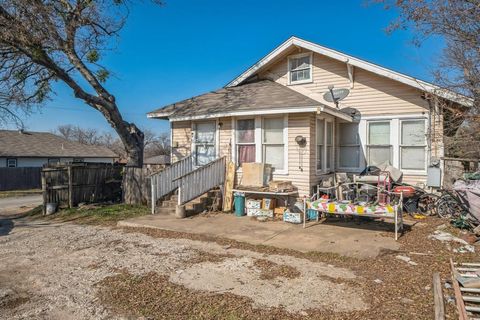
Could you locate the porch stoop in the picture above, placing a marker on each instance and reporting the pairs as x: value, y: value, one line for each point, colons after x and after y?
x: 196, y: 206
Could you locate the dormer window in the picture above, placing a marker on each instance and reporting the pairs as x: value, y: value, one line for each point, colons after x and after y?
x: 300, y: 68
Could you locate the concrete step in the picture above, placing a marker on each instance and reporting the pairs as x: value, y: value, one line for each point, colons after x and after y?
x: 174, y: 197
x: 165, y: 211
x: 169, y: 203
x: 197, y: 207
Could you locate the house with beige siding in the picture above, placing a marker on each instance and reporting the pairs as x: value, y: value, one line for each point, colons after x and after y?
x: 309, y: 111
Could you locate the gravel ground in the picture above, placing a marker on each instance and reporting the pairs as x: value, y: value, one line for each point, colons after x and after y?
x: 52, y: 271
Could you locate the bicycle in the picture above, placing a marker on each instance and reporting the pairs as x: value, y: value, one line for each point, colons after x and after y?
x: 453, y: 205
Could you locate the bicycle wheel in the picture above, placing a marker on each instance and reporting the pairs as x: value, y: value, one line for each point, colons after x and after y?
x: 448, y: 207
x: 427, y: 204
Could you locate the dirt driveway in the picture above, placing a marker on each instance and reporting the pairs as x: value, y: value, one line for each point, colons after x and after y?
x: 51, y: 271
x: 67, y: 271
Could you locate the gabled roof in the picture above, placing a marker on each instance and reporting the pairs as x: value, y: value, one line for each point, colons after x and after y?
x: 263, y: 96
x: 48, y: 145
x: 353, y: 61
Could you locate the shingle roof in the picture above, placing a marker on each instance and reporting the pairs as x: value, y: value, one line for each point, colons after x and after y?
x: 161, y: 159
x: 45, y: 144
x: 263, y: 94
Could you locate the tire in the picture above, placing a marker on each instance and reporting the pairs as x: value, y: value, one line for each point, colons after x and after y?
x: 427, y: 204
x: 448, y: 207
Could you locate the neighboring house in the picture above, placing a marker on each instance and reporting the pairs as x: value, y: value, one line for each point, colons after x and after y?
x: 35, y: 149
x: 277, y: 112
x: 157, y: 160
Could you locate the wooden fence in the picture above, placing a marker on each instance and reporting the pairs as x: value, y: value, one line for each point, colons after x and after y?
x: 71, y: 184
x: 20, y: 178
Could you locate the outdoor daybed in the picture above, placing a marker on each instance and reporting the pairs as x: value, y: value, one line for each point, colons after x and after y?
x: 392, y: 209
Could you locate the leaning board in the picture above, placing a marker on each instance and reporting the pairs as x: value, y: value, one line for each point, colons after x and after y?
x: 228, y: 189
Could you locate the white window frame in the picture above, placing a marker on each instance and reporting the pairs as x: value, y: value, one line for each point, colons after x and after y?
x: 259, y: 140
x: 391, y: 144
x: 194, y: 133
x: 358, y: 144
x: 324, y: 169
x: 14, y: 161
x: 236, y: 143
x: 400, y: 145
x: 296, y: 56
x: 285, y: 143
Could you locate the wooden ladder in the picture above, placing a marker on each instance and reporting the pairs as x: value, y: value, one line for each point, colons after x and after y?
x: 467, y: 297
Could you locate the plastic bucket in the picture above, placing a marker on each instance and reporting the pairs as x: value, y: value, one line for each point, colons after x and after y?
x: 239, y: 204
x: 51, y: 208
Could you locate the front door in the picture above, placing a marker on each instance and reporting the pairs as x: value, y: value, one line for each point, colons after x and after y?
x: 204, y: 142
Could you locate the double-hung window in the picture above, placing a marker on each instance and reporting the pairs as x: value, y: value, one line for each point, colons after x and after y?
x: 324, y: 141
x: 273, y: 148
x: 300, y: 68
x: 245, y: 141
x: 379, y: 148
x: 320, y: 138
x: 412, y: 145
x: 12, y: 163
x: 329, y: 144
x: 348, y: 146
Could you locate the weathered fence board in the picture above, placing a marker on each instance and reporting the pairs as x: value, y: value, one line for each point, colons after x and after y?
x: 20, y: 178
x: 71, y: 184
x: 136, y: 185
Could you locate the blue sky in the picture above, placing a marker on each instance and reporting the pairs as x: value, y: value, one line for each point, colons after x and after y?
x: 187, y: 47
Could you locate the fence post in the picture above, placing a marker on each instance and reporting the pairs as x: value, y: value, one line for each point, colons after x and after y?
x: 44, y: 192
x: 70, y: 187
x: 153, y: 183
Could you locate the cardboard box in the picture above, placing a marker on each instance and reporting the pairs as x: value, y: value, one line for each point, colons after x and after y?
x: 256, y: 174
x: 279, y: 210
x: 280, y: 186
x: 268, y: 203
x: 253, y: 212
x: 293, y: 217
x: 260, y: 213
x: 253, y: 204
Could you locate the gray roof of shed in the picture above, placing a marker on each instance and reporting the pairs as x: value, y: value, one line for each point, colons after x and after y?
x: 45, y: 144
x: 262, y: 94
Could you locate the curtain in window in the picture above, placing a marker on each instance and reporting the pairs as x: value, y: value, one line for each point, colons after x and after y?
x: 245, y: 154
x: 245, y: 141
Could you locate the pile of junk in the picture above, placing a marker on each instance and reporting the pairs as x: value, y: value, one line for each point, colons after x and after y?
x: 460, y: 204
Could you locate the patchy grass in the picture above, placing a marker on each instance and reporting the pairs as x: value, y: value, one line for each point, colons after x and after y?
x: 19, y: 193
x: 107, y: 215
x: 404, y: 291
x: 270, y: 270
x: 203, y: 256
x: 153, y: 296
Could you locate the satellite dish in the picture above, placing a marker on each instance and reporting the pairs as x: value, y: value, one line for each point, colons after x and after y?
x: 338, y: 95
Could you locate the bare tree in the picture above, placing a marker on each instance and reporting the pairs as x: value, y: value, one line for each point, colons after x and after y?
x: 154, y: 144
x: 42, y: 41
x: 458, y: 23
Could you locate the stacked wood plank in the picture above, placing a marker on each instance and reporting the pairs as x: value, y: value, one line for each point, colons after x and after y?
x: 466, y: 284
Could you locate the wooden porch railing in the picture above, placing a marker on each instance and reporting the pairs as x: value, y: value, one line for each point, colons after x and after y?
x: 201, y: 180
x: 165, y: 182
